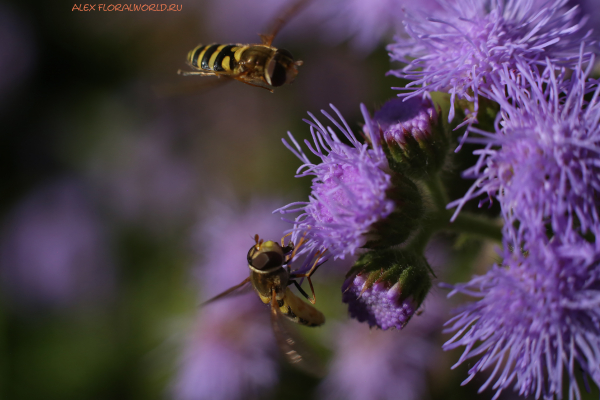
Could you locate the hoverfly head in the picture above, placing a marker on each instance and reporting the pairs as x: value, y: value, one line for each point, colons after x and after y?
x: 281, y: 68
x: 265, y: 257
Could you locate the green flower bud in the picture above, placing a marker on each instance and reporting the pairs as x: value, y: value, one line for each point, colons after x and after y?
x: 386, y: 287
x: 414, y: 136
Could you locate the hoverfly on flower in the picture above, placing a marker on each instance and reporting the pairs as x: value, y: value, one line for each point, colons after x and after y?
x: 270, y: 276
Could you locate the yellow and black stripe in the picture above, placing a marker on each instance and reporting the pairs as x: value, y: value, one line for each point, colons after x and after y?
x: 216, y: 57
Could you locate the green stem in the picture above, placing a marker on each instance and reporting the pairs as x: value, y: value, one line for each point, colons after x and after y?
x: 475, y: 225
x: 439, y: 220
x: 437, y: 192
x: 420, y: 240
x: 465, y: 223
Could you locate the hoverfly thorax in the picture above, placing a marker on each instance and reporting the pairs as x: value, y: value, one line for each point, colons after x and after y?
x: 281, y: 68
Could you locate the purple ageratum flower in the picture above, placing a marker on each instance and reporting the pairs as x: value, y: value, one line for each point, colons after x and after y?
x: 536, y: 325
x: 397, y: 117
x: 371, y: 364
x: 461, y: 48
x: 542, y: 162
x: 348, y: 190
x: 537, y: 322
x: 378, y: 305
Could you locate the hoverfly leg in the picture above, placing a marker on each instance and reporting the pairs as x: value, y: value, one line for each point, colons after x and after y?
x: 287, y: 249
x: 301, y: 290
x: 274, y: 305
x: 295, y: 249
x: 199, y: 73
x: 239, y: 78
x: 307, y: 275
x: 283, y: 240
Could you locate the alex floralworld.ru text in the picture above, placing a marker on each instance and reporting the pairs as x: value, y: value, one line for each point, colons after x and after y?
x: 127, y: 7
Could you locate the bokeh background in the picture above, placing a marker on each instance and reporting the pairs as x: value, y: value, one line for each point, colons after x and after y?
x: 129, y: 193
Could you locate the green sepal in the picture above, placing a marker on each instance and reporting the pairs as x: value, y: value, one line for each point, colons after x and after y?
x: 486, y: 114
x: 421, y: 156
x: 390, y: 266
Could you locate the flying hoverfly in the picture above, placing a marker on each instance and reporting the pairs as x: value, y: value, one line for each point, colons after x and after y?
x: 270, y: 277
x: 260, y: 65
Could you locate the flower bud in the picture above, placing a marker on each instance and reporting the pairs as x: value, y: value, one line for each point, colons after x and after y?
x: 413, y: 134
x: 386, y: 287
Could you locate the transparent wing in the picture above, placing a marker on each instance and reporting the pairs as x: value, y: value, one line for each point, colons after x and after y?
x: 282, y: 19
x: 242, y: 288
x: 293, y: 349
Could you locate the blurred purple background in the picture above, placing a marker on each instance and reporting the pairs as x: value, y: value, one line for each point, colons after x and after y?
x: 122, y: 208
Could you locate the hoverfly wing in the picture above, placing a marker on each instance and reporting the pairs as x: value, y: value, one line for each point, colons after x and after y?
x: 281, y: 20
x: 287, y: 338
x: 242, y: 288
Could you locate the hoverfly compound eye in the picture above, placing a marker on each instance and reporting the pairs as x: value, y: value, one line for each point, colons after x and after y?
x: 281, y: 69
x: 250, y: 255
x: 285, y: 53
x: 276, y: 72
x: 267, y: 260
x: 267, y: 257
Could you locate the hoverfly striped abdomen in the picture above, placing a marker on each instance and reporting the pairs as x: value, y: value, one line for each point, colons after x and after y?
x: 298, y: 311
x: 215, y: 57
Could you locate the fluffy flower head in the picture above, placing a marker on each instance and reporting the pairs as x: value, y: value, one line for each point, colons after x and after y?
x: 463, y: 46
x: 537, y: 322
x: 542, y: 161
x: 348, y: 190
